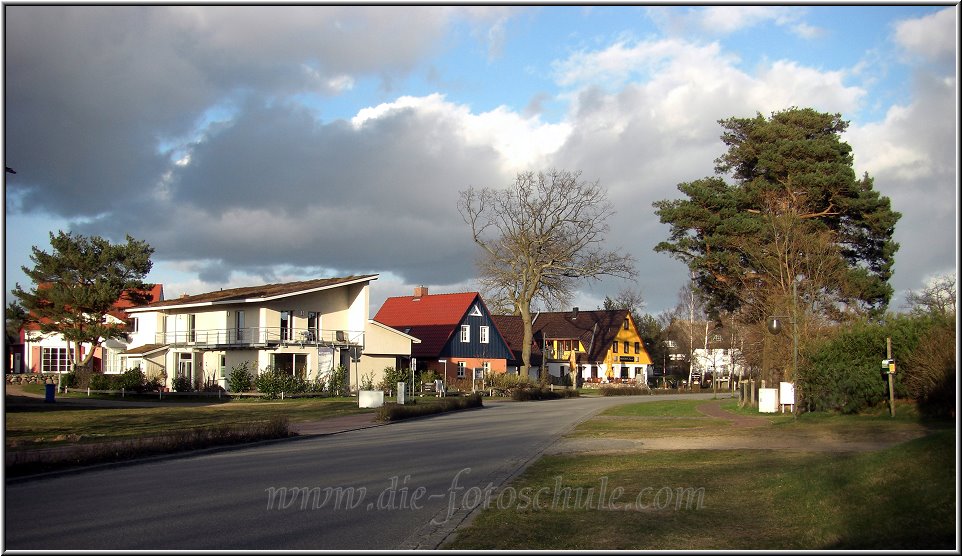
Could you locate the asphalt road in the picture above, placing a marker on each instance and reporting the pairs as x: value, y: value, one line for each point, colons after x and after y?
x: 403, y: 486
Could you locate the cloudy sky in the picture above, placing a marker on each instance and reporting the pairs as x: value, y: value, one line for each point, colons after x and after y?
x: 262, y: 144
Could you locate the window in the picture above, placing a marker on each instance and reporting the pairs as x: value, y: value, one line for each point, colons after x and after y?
x: 475, y: 311
x: 223, y: 367
x: 465, y: 333
x: 626, y: 346
x: 56, y: 360
x: 287, y: 324
x: 313, y: 320
x: 239, y: 325
x: 484, y: 335
x: 614, y: 347
x: 461, y: 368
x: 134, y: 324
x: 486, y: 366
x: 291, y: 364
x: 625, y: 324
x: 637, y: 348
x: 191, y: 328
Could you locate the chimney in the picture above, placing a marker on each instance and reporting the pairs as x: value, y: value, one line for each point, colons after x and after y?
x: 420, y: 291
x: 574, y: 313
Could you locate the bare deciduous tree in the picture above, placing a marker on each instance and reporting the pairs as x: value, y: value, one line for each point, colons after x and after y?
x: 539, y: 237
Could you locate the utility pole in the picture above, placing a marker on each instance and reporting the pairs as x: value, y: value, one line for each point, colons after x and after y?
x: 891, y: 375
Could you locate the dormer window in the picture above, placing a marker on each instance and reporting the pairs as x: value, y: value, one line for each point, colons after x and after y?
x: 475, y: 311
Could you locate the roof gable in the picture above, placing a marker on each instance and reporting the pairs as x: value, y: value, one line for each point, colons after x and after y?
x: 596, y: 330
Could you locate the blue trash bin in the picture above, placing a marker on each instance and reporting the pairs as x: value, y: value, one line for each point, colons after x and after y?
x: 49, y: 389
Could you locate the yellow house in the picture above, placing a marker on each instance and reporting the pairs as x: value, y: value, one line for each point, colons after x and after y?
x: 604, y: 345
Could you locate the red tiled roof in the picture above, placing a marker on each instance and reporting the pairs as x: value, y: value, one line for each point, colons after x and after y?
x: 430, y: 318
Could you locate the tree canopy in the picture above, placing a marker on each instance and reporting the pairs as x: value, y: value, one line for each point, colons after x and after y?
x: 796, y: 212
x: 539, y: 237
x: 78, y: 283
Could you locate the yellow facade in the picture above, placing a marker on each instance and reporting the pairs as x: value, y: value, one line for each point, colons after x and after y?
x: 630, y: 348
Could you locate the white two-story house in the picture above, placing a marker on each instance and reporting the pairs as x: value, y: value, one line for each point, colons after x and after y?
x: 303, y: 328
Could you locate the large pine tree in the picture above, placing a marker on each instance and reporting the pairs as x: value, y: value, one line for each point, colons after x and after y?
x: 77, y: 284
x: 796, y: 212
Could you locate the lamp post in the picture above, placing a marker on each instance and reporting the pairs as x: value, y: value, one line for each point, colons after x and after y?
x: 775, y: 327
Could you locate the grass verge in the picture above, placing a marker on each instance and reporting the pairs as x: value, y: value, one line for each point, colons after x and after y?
x: 28, y: 462
x: 902, y: 497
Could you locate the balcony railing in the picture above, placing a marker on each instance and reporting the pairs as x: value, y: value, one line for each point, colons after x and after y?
x: 261, y: 336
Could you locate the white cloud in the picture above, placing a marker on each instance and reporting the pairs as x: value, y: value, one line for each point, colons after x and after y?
x: 934, y: 36
x: 727, y: 20
x: 522, y: 142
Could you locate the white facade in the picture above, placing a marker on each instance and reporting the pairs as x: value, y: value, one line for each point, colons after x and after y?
x: 306, y: 328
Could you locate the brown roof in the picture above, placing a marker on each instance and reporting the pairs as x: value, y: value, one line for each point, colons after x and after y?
x: 144, y: 349
x: 257, y: 292
x: 594, y: 329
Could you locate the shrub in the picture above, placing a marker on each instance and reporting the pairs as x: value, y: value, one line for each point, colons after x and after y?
x: 395, y: 412
x: 102, y: 382
x: 272, y: 382
x: 337, y: 381
x: 505, y: 381
x: 181, y: 383
x: 527, y: 394
x: 70, y: 380
x: 132, y: 379
x: 367, y: 381
x: 623, y: 391
x: 930, y: 372
x: 844, y: 373
x: 154, y: 384
x: 429, y: 376
x: 240, y: 378
x: 392, y: 376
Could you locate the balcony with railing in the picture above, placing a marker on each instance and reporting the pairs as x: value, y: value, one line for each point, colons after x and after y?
x: 264, y: 336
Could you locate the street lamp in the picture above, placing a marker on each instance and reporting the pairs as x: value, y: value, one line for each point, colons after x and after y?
x: 775, y: 327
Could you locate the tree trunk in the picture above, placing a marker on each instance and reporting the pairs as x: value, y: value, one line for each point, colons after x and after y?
x: 525, y: 311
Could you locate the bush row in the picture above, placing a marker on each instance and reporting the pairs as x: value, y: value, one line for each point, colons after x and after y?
x: 623, y: 391
x: 526, y: 394
x: 395, y: 412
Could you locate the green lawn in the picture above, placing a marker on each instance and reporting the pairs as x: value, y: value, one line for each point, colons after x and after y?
x: 898, y: 498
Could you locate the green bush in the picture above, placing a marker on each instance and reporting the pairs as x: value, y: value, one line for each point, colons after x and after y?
x: 337, y: 381
x: 367, y: 381
x: 395, y: 412
x: 102, y: 382
x: 70, y: 380
x: 240, y: 378
x: 181, y: 383
x: 392, y: 376
x: 132, y: 379
x: 844, y: 372
x: 505, y: 381
x: 623, y: 391
x: 272, y: 382
x: 527, y: 394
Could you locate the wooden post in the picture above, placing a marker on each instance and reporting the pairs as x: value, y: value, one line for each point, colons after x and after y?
x: 888, y: 355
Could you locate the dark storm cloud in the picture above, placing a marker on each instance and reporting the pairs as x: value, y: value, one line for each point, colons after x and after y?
x: 276, y: 187
x: 92, y: 93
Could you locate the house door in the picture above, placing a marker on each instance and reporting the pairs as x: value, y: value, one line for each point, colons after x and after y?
x: 185, y: 365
